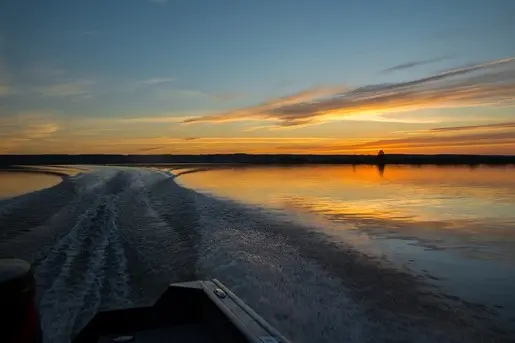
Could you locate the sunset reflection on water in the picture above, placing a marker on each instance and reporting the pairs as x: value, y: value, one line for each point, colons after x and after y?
x: 18, y: 183
x: 457, y: 223
x: 401, y: 192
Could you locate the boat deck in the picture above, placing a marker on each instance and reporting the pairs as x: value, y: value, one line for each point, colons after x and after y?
x: 179, y: 334
x: 198, y: 311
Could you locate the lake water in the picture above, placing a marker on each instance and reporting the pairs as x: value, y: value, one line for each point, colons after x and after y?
x: 324, y: 253
x: 453, y: 226
x: 18, y: 183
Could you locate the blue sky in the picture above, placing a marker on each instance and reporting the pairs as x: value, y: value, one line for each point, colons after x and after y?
x: 85, y: 65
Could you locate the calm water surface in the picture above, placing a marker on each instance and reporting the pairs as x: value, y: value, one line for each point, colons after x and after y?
x: 17, y: 183
x: 454, y: 226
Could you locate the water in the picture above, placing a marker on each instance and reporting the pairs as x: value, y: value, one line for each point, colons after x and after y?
x: 18, y: 183
x: 325, y: 254
x: 454, y: 226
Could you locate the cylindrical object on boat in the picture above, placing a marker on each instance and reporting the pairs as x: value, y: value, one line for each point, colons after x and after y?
x: 19, y: 319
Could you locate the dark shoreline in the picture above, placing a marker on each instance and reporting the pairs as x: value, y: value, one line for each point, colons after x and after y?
x: 248, y: 159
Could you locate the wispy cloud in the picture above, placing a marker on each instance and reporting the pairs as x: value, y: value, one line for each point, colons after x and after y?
x: 436, y: 141
x: 231, y: 96
x: 33, y: 131
x: 154, y: 148
x: 446, y: 138
x: 265, y: 111
x: 487, y: 84
x: 496, y: 126
x: 173, y: 118
x: 43, y: 120
x: 193, y: 94
x: 165, y: 91
x: 48, y: 81
x: 46, y: 72
x: 27, y: 127
x: 155, y: 81
x: 66, y: 89
x: 413, y: 64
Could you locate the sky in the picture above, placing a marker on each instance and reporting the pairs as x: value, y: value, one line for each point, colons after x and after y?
x: 248, y: 76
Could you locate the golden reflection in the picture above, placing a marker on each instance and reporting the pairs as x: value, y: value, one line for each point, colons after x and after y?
x: 17, y: 183
x: 305, y: 176
x: 410, y: 218
x: 397, y: 193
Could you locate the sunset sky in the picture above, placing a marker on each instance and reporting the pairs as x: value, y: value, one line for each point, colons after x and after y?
x: 268, y: 76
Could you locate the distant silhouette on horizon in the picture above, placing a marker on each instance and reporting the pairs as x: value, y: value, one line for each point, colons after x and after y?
x: 380, y: 162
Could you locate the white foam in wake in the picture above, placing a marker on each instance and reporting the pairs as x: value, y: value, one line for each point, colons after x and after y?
x: 293, y: 293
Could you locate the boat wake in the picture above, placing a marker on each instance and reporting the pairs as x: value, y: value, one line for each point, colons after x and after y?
x: 116, y: 237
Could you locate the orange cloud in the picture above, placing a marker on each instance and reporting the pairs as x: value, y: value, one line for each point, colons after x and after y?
x: 487, y: 84
x: 435, y: 142
x: 26, y: 128
x: 497, y: 126
x: 263, y: 111
x: 154, y: 120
